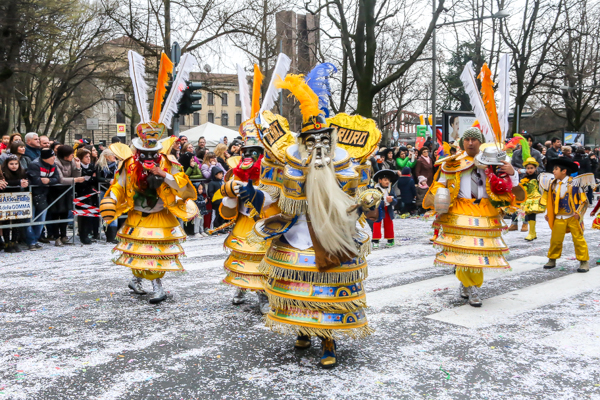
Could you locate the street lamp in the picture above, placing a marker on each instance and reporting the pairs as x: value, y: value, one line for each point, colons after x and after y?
x: 498, y: 15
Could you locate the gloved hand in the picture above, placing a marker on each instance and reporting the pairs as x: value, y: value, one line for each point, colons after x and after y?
x: 247, y: 192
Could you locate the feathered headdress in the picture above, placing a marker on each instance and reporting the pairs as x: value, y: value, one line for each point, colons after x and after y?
x: 318, y: 81
x: 281, y: 69
x: 312, y: 116
x: 151, y: 129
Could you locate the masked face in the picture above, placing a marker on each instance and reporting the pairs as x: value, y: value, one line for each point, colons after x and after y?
x: 251, y: 155
x: 318, y: 146
x: 149, y: 159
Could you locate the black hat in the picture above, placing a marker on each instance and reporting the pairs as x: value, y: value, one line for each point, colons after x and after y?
x: 384, y: 152
x: 115, y: 139
x: 46, y: 153
x: 385, y: 173
x: 566, y: 163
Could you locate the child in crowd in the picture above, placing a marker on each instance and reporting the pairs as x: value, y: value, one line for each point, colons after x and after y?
x: 385, y: 179
x: 566, y: 205
x: 422, y: 189
x: 532, y: 205
x: 214, y: 194
x: 14, y: 176
x: 4, y: 143
x: 202, y: 211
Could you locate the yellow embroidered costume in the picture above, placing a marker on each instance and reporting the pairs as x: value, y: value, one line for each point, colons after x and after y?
x: 315, y: 287
x: 242, y: 264
x: 151, y: 187
x: 567, y: 203
x: 533, y: 204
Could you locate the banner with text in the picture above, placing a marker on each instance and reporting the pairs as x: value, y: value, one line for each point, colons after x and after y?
x: 15, y: 205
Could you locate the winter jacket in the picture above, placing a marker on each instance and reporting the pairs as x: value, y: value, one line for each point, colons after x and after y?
x: 517, y: 159
x: 24, y: 161
x: 406, y: 186
x: 421, y: 192
x: 425, y: 169
x: 206, y: 170
x: 585, y: 165
x: 12, y: 178
x: 194, y: 172
x: 39, y: 169
x: 405, y: 162
x: 223, y: 163
x: 32, y: 153
x: 215, y: 184
x: 107, y: 174
x: 551, y: 154
x: 67, y: 170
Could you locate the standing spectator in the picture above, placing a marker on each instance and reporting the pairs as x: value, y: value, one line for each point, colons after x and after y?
x: 406, y: 187
x: 425, y: 165
x: 69, y: 169
x: 106, y: 168
x: 115, y: 139
x: 15, y: 137
x: 4, y: 143
x: 194, y: 171
x: 41, y: 173
x: 210, y: 160
x: 234, y: 149
x: 186, y: 155
x: 202, y: 211
x: 32, y: 146
x: 388, y: 159
x: 88, y: 172
x: 93, y: 153
x: 183, y: 140
x: 567, y: 151
x: 547, y: 144
x: 44, y: 142
x: 553, y: 152
x: 13, y: 175
x: 200, y: 147
x: 422, y: 190
x: 224, y: 141
x: 406, y: 158
x: 214, y: 194
x: 221, y: 153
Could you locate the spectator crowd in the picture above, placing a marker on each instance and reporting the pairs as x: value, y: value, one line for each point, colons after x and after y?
x: 59, y: 174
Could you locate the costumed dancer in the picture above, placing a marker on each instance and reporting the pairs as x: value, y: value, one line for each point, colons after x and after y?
x: 316, y: 262
x: 242, y: 264
x: 596, y: 222
x: 566, y: 200
x: 469, y: 190
x: 533, y: 205
x: 384, y: 179
x: 151, y: 186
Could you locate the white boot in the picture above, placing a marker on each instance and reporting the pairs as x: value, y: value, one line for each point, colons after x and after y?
x: 463, y: 291
x: 263, y: 303
x: 136, y: 285
x: 474, y: 299
x: 159, y: 292
x: 239, y: 297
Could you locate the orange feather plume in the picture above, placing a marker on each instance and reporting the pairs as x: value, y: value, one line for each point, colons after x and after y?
x: 166, y: 68
x: 309, y: 101
x: 256, y: 84
x: 487, y: 94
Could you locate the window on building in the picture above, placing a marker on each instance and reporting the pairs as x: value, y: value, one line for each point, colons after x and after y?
x: 120, y: 100
x: 238, y: 102
x: 211, y: 99
x: 196, y: 119
x: 238, y: 119
x: 224, y: 119
x: 211, y: 117
x: 182, y: 120
x: 224, y: 99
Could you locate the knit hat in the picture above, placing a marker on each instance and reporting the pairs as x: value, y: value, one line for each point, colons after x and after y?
x: 406, y: 171
x: 473, y: 133
x: 46, y: 153
x: 421, y: 178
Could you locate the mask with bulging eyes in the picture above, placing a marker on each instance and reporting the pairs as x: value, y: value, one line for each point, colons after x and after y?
x: 318, y: 145
x: 148, y: 159
x: 250, y: 156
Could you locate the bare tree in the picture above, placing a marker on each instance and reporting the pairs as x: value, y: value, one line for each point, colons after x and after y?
x: 360, y: 25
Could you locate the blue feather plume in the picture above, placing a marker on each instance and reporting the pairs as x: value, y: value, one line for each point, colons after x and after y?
x: 318, y: 81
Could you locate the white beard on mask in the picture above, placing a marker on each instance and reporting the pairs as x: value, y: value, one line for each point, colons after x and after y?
x: 327, y: 205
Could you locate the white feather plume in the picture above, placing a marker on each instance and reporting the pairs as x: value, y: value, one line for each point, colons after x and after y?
x: 468, y: 79
x: 137, y: 73
x: 504, y: 90
x: 170, y: 107
x: 244, y: 93
x: 281, y: 69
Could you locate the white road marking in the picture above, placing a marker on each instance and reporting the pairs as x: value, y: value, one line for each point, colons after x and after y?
x: 580, y: 340
x: 399, y: 268
x: 397, y: 294
x: 502, y: 308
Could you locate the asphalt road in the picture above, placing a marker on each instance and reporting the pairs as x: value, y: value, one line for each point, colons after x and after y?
x: 70, y: 329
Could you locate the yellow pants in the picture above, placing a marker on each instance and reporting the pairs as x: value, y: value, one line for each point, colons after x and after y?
x: 558, y: 236
x: 469, y: 278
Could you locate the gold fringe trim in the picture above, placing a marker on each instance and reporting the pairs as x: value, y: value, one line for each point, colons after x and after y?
x: 289, y: 329
x: 471, y: 268
x: 360, y: 190
x: 476, y: 252
x: 273, y: 191
x: 348, y: 306
x: 161, y: 242
x: 473, y: 232
x: 246, y: 256
x: 364, y: 250
x: 343, y: 278
x: 292, y: 206
x: 253, y: 239
x: 145, y: 257
x: 240, y: 275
